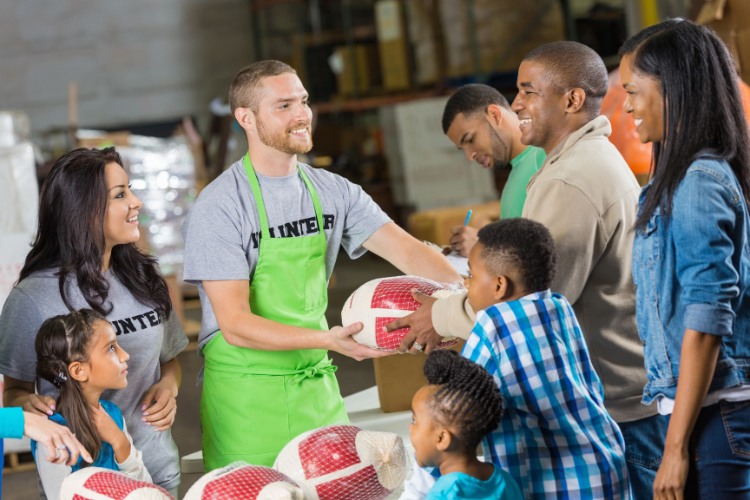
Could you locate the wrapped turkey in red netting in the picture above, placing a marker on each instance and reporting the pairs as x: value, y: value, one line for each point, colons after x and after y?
x: 95, y: 483
x: 345, y: 462
x: 381, y: 301
x: 241, y: 481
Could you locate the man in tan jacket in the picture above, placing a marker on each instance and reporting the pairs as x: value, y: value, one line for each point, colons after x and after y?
x: 587, y: 197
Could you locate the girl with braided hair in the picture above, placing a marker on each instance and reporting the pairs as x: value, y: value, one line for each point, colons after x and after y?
x: 460, y: 405
x: 78, y: 354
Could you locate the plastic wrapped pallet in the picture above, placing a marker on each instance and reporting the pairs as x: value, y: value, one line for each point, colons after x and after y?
x: 20, y: 194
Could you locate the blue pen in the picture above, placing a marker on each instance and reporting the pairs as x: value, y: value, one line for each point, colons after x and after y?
x: 468, y: 218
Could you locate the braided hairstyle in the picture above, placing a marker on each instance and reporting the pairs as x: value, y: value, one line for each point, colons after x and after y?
x: 468, y: 398
x: 61, y: 341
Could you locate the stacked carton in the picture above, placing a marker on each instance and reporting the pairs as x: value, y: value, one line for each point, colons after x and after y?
x: 730, y: 19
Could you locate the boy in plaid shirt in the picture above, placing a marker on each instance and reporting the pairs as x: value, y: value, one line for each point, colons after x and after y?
x: 555, y: 437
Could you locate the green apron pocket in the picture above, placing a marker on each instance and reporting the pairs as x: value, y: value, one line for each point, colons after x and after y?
x: 316, y: 294
x: 253, y: 410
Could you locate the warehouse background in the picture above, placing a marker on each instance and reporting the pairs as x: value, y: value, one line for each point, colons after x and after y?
x: 151, y: 77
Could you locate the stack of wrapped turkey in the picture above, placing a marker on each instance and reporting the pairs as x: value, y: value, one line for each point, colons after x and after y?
x: 331, y: 463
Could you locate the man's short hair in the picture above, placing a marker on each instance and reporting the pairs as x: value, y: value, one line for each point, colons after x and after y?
x: 573, y: 65
x: 470, y: 99
x: 244, y: 91
x: 521, y: 245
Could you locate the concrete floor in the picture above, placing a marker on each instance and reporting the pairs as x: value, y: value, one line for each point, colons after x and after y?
x: 353, y: 376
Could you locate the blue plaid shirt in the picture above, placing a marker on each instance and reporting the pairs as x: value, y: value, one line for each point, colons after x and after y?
x: 555, y: 437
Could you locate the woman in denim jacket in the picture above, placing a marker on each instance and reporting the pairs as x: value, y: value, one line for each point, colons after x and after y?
x: 691, y: 256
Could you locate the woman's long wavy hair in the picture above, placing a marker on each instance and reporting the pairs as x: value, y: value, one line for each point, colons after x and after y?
x: 61, y: 341
x: 703, y: 112
x: 70, y: 236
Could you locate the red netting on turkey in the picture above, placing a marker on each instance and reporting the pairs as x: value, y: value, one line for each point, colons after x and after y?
x: 95, y: 483
x: 241, y: 481
x: 381, y: 301
x: 345, y: 462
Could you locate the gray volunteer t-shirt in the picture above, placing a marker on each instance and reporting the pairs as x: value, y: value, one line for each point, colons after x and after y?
x: 148, y: 339
x: 222, y: 230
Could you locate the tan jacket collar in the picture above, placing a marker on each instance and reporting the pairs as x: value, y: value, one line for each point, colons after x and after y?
x: 598, y: 127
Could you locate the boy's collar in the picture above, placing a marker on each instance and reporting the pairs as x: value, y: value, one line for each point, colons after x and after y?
x: 544, y: 294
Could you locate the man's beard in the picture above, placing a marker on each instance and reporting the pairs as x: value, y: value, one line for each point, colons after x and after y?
x: 281, y: 141
x: 500, y: 156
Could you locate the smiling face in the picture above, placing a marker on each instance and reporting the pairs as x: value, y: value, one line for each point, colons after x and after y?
x: 540, y: 106
x: 644, y: 103
x: 108, y: 368
x: 121, y: 215
x: 481, y: 142
x: 284, y: 117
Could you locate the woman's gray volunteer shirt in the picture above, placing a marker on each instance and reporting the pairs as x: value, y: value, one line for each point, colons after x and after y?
x: 222, y: 230
x: 149, y: 340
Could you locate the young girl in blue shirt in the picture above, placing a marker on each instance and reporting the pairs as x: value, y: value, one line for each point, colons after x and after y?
x: 78, y: 353
x: 460, y: 405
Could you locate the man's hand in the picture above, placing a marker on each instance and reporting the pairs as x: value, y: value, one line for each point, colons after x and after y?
x: 62, y: 446
x: 159, y: 407
x: 342, y: 342
x: 420, y: 324
x: 463, y: 239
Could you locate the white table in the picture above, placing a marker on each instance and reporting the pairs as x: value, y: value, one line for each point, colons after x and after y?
x: 364, y: 411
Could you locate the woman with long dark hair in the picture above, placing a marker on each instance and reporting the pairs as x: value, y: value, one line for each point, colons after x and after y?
x: 691, y: 256
x: 84, y: 256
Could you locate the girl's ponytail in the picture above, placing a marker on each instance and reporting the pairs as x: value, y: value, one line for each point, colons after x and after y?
x: 61, y: 341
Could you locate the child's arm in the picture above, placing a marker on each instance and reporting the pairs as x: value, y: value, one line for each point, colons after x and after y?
x: 110, y: 433
x: 133, y: 465
x: 52, y: 475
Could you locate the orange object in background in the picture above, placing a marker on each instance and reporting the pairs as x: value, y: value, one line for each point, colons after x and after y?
x: 624, y: 137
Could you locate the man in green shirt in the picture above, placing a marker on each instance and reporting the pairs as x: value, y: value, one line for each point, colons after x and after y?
x: 478, y: 119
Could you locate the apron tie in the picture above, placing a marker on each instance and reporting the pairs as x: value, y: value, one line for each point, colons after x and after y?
x: 325, y: 367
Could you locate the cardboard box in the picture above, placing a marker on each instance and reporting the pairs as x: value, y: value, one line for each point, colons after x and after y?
x: 399, y: 377
x: 366, y: 57
x: 730, y: 19
x: 434, y: 225
x: 506, y: 30
x: 426, y: 37
x: 393, y: 45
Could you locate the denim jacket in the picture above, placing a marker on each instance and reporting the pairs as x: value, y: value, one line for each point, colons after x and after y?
x: 692, y: 270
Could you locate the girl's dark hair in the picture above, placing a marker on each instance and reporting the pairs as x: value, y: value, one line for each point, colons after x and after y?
x: 703, y: 112
x: 70, y: 236
x: 61, y: 341
x: 468, y: 398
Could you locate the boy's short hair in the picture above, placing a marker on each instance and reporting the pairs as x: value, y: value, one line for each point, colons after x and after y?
x: 468, y: 398
x: 523, y: 244
x: 243, y: 93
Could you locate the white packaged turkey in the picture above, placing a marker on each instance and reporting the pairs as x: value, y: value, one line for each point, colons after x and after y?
x: 95, y: 483
x: 381, y: 301
x: 241, y: 481
x: 345, y: 462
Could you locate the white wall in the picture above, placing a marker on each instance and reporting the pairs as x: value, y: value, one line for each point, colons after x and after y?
x: 133, y: 60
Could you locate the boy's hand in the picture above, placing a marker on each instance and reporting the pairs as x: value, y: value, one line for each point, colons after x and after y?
x: 420, y: 324
x: 110, y: 433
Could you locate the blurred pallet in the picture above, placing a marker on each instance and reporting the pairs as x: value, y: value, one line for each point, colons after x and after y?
x: 18, y: 462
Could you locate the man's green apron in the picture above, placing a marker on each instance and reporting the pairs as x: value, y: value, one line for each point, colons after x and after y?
x: 255, y: 402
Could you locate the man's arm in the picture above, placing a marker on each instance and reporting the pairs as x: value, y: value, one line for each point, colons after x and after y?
x: 410, y: 255
x: 242, y: 328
